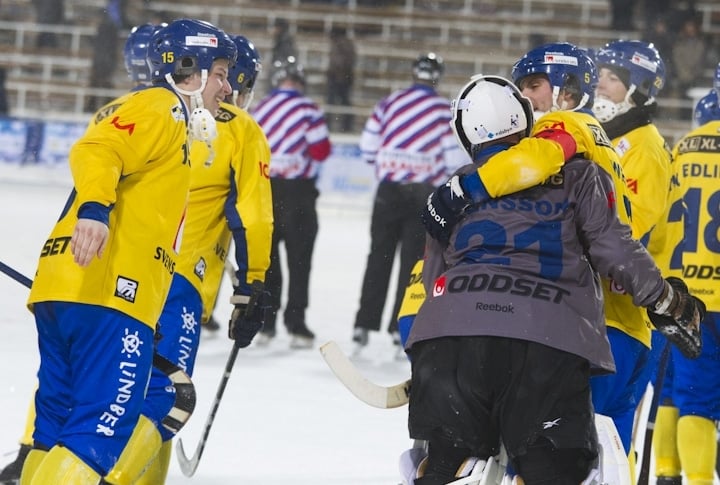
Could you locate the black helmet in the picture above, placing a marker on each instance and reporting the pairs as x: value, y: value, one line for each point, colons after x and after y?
x: 428, y: 67
x: 287, y: 69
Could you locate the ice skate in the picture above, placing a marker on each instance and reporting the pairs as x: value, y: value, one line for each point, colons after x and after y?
x: 10, y: 475
x: 361, y: 336
x: 301, y: 337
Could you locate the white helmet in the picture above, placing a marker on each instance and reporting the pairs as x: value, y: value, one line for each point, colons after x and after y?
x: 488, y: 108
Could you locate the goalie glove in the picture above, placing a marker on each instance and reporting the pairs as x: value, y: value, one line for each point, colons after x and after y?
x: 248, y: 316
x: 446, y: 205
x: 677, y: 315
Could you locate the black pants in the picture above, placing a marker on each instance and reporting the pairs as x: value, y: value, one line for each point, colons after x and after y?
x: 395, y: 221
x: 296, y: 225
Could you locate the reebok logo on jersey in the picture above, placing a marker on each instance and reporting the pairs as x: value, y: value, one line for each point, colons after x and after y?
x: 126, y: 289
x: 439, y: 286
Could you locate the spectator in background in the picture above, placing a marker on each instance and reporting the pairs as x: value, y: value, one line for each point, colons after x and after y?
x: 4, y: 108
x: 298, y: 135
x: 409, y: 140
x: 105, y: 48
x: 621, y: 12
x: 340, y: 76
x: 50, y: 12
x: 688, y: 55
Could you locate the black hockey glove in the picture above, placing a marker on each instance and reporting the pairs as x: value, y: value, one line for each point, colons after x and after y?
x: 248, y: 316
x: 677, y: 315
x: 444, y: 209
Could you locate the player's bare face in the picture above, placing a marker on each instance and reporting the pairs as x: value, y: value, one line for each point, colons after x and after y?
x: 217, y: 86
x: 536, y: 87
x: 610, y: 86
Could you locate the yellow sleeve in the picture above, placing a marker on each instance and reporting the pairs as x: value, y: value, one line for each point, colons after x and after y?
x: 522, y: 166
x: 119, y: 145
x: 646, y: 165
x: 253, y: 210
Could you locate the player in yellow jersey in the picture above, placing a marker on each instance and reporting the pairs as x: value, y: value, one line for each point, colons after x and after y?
x: 230, y: 198
x: 105, y: 270
x: 685, y: 438
x: 631, y: 75
x: 135, y: 55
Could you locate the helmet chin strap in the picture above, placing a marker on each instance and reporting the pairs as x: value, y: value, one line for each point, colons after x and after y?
x: 201, y: 124
x: 605, y: 110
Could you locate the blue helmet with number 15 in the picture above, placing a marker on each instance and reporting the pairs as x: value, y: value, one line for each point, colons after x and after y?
x: 186, y: 46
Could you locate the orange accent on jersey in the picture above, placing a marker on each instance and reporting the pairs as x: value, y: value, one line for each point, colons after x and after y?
x: 611, y: 200
x: 558, y: 125
x: 116, y: 123
x: 632, y: 184
x: 264, y: 169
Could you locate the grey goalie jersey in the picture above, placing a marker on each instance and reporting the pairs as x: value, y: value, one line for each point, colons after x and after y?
x: 527, y: 266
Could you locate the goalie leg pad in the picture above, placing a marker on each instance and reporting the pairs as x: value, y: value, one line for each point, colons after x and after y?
x: 185, y: 397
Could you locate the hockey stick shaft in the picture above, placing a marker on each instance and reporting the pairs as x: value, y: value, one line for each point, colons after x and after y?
x: 189, y: 465
x: 16, y: 275
x: 644, y: 475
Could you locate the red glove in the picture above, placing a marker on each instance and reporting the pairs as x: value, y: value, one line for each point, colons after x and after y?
x: 562, y: 138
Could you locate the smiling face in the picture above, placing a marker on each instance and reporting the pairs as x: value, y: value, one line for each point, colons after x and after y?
x: 610, y: 86
x: 217, y: 86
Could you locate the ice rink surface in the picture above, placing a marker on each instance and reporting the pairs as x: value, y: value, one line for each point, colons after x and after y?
x: 284, y: 417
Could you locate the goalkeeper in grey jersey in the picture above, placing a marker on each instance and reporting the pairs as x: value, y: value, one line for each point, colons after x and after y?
x: 512, y: 328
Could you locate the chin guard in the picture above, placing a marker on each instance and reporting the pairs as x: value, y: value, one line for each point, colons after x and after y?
x: 202, y: 127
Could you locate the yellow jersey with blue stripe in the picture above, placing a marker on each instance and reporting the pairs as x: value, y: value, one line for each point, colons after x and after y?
x: 645, y: 161
x: 135, y: 162
x: 230, y: 197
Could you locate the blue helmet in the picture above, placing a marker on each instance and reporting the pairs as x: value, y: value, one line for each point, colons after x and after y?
x: 566, y: 66
x: 186, y: 46
x: 716, y: 80
x: 245, y: 71
x: 136, y: 50
x: 644, y: 68
x: 707, y: 109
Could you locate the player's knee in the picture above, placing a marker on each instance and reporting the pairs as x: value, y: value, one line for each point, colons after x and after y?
x: 543, y: 464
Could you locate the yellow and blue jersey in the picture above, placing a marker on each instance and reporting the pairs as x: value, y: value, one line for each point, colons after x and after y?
x: 230, y: 197
x: 645, y: 162
x: 697, y: 160
x: 135, y: 162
